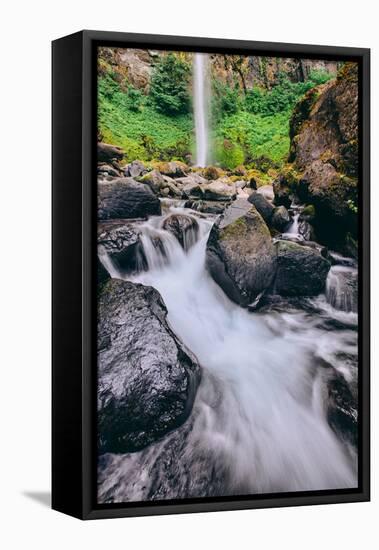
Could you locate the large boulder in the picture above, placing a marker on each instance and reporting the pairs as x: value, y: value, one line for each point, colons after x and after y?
x: 329, y: 192
x: 184, y: 228
x: 324, y: 150
x: 154, y: 179
x: 324, y: 124
x: 280, y: 218
x: 264, y: 207
x: 301, y: 270
x: 126, y: 198
x: 147, y: 380
x: 240, y: 255
x: 342, y: 410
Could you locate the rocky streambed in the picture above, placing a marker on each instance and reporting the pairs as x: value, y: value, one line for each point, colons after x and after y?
x: 227, y: 340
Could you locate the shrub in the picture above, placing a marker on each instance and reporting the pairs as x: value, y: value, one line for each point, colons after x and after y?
x: 169, y: 85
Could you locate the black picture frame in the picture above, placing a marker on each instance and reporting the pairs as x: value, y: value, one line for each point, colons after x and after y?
x: 74, y: 274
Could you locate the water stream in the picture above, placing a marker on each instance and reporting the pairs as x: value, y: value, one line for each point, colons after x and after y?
x: 259, y: 423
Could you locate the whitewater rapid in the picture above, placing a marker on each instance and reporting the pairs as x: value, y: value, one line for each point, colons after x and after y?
x: 259, y: 423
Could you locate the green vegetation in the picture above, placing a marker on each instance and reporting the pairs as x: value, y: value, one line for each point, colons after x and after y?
x: 255, y: 125
x: 169, y: 85
x: 250, y: 126
x: 138, y: 128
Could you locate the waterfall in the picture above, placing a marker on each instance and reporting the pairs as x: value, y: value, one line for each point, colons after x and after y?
x: 341, y: 288
x: 260, y: 413
x: 201, y: 104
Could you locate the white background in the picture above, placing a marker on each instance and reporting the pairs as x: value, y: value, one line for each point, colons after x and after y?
x: 26, y: 31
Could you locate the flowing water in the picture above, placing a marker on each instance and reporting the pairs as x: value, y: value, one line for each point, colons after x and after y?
x: 201, y: 102
x: 259, y: 422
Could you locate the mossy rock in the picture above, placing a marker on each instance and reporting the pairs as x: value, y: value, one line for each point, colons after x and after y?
x: 212, y: 172
x: 240, y: 255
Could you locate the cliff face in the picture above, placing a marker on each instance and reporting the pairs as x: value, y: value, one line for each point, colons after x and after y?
x: 324, y: 152
x: 266, y: 72
x: 135, y: 65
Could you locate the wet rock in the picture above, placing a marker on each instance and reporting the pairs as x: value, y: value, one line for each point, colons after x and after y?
x: 121, y: 243
x: 126, y: 198
x: 280, y: 218
x: 147, y: 379
x: 301, y: 270
x: 184, y: 228
x: 206, y: 207
x: 264, y: 207
x: 342, y: 409
x: 240, y: 255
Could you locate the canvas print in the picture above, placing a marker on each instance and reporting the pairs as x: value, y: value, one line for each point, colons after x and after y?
x: 227, y: 278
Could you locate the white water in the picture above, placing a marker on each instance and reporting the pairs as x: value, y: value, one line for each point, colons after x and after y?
x: 260, y: 408
x: 339, y: 291
x: 201, y: 102
x: 294, y: 228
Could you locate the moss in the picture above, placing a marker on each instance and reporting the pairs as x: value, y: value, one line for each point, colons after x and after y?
x: 309, y: 211
x: 212, y: 173
x: 349, y: 72
x: 236, y: 229
x: 291, y: 176
x: 260, y: 178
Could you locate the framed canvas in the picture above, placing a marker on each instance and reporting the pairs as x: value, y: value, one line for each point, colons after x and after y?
x: 210, y: 275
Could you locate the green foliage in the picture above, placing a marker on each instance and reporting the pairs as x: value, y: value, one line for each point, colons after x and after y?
x: 226, y: 99
x: 169, y: 85
x: 283, y: 96
x: 127, y: 119
x: 249, y: 128
x: 228, y: 154
x: 256, y: 136
x: 257, y: 123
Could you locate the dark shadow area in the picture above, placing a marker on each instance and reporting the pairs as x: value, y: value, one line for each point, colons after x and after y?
x: 41, y: 497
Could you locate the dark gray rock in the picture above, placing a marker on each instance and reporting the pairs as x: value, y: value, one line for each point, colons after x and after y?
x: 206, y: 207
x: 240, y: 255
x: 301, y: 270
x: 342, y: 409
x: 280, y: 218
x: 184, y: 228
x: 121, y: 242
x: 102, y: 273
x: 147, y: 380
x: 263, y: 206
x: 126, y: 198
